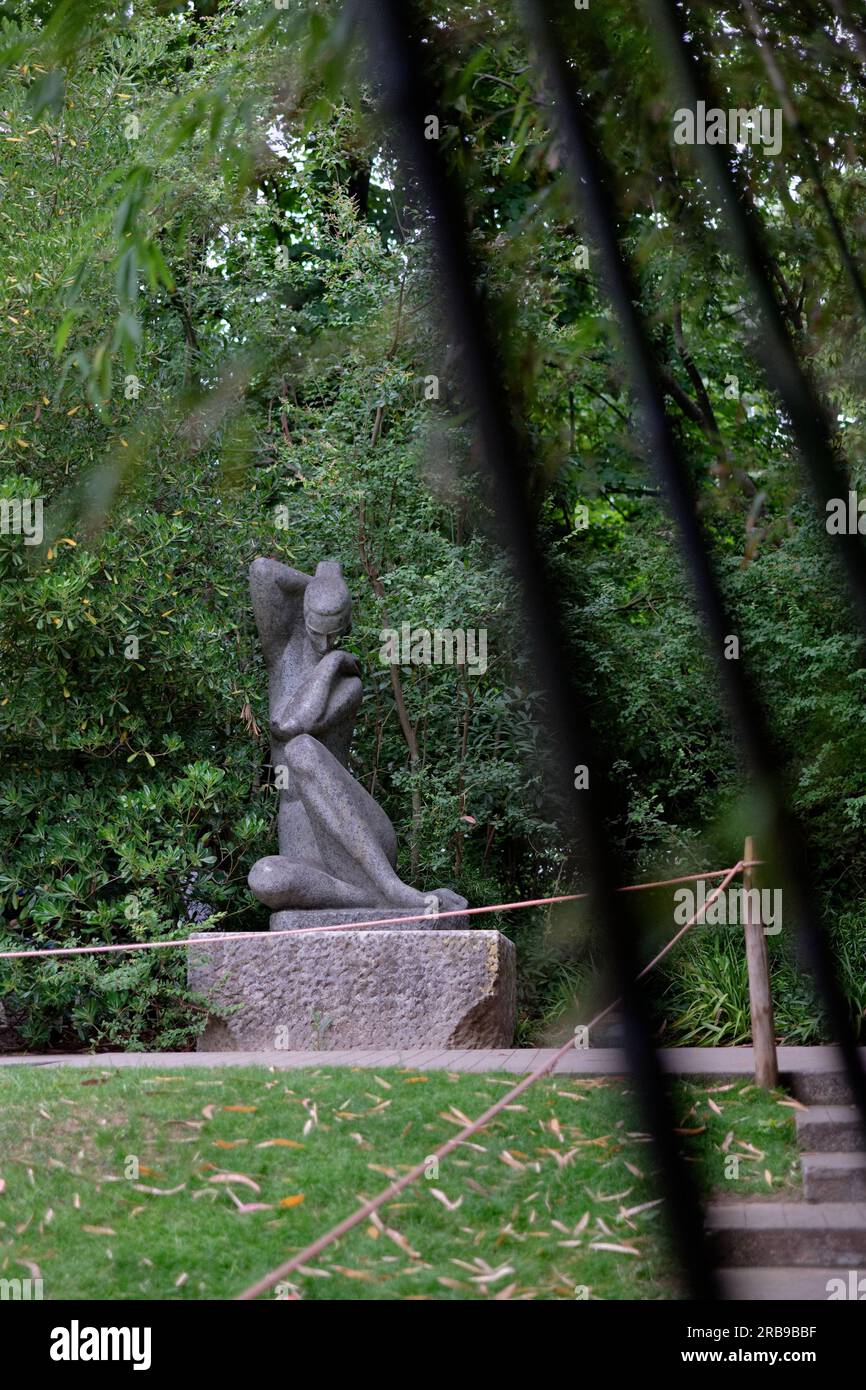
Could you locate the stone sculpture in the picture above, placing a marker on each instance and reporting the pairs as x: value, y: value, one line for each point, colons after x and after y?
x: 337, y: 848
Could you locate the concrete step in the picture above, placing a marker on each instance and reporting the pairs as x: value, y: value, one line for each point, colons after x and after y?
x: 799, y: 1283
x: 830, y: 1129
x: 820, y: 1087
x: 834, y: 1177
x: 787, y: 1233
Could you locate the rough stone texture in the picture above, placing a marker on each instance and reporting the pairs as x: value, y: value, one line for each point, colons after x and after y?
x: 379, y: 989
x: 345, y: 917
x: 787, y: 1233
x: 337, y: 848
x: 830, y: 1129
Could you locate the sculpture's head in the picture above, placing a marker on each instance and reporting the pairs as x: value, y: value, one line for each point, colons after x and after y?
x: 327, y: 606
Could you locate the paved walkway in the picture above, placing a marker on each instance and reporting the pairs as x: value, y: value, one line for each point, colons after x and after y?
x: 602, y: 1061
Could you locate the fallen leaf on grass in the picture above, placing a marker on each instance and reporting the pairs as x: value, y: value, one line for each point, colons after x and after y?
x: 401, y: 1242
x: 180, y: 1281
x: 476, y: 1187
x: 99, y: 1230
x: 701, y: 1129
x: 491, y: 1275
x: 95, y: 1081
x: 562, y: 1159
x: 413, y: 1080
x: 279, y: 1143
x: 751, y: 1148
x: 354, y: 1273
x: 793, y: 1104
x: 159, y: 1191
x: 242, y: 1109
x: 440, y: 1197
x: 644, y: 1206
x: 512, y: 1162
x: 230, y: 1143
x: 294, y: 1201
x: 207, y: 1112
x: 235, y: 1177
x: 245, y: 1207
x: 715, y: 1108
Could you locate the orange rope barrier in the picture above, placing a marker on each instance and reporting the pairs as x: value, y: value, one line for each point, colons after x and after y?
x: 343, y: 926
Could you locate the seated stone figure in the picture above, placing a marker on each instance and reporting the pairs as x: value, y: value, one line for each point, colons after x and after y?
x: 337, y: 847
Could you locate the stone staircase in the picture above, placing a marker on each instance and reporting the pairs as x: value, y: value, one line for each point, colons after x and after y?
x: 793, y: 1249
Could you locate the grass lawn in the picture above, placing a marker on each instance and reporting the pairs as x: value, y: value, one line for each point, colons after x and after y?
x: 132, y: 1183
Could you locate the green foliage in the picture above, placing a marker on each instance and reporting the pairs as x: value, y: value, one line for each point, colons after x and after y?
x: 221, y: 329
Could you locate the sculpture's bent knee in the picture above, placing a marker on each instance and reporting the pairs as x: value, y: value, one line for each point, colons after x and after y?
x: 269, y: 881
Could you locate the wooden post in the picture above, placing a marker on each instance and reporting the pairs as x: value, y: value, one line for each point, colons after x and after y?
x: 760, y: 1001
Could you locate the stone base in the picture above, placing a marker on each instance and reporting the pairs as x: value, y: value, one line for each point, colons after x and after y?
x: 291, y: 920
x: 357, y: 989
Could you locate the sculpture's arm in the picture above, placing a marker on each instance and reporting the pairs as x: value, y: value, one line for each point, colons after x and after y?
x: 312, y: 704
x: 345, y: 699
x: 278, y: 595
